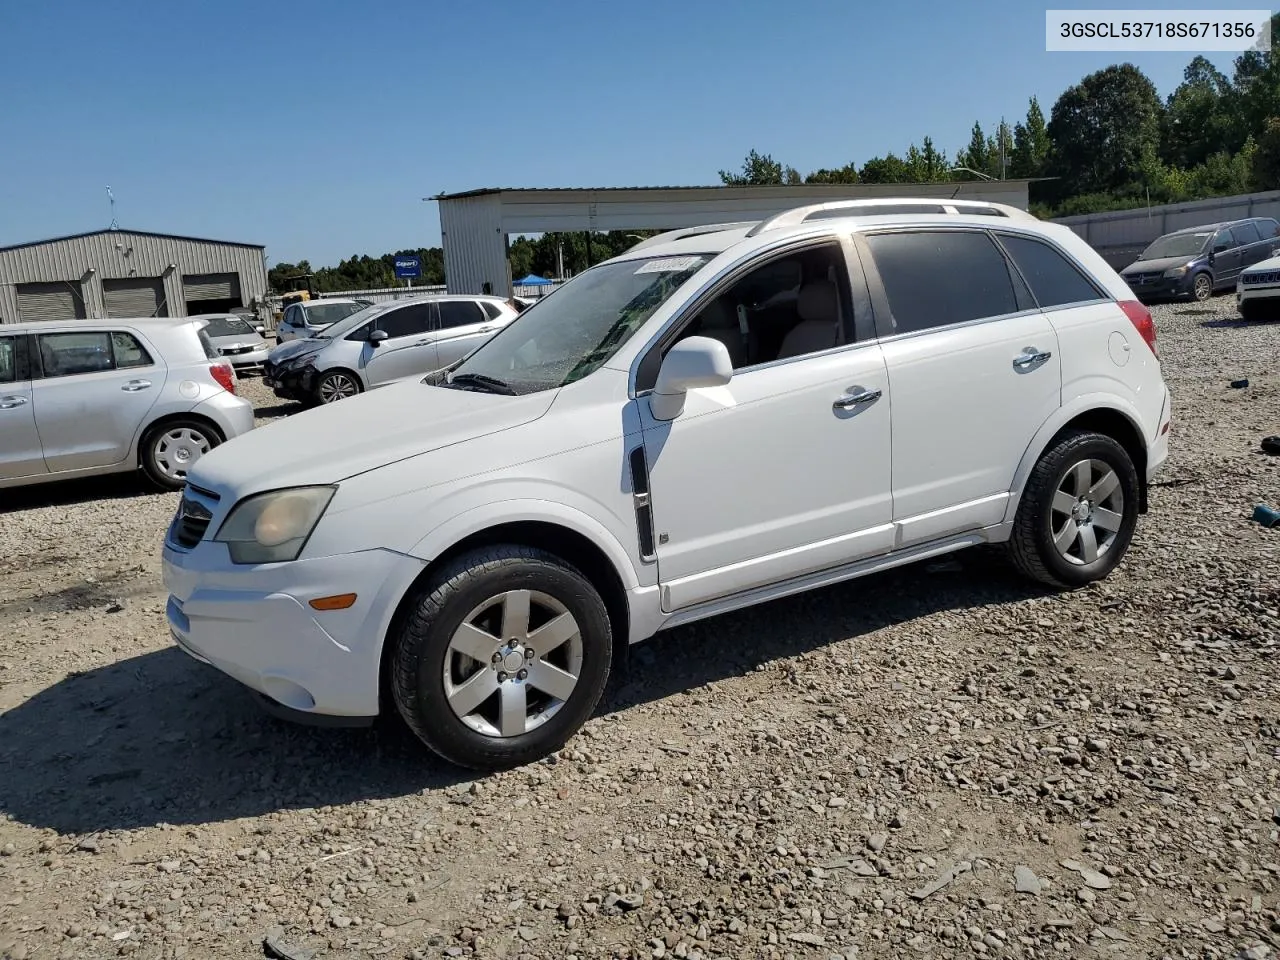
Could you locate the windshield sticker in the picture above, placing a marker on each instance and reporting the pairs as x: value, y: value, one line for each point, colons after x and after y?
x: 669, y: 265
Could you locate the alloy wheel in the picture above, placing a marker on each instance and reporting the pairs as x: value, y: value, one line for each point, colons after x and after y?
x: 1087, y: 512
x: 337, y: 386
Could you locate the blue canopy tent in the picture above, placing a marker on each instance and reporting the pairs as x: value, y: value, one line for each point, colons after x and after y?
x: 533, y: 280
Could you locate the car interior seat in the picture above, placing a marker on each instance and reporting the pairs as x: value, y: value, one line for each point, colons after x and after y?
x: 818, y: 306
x: 719, y: 321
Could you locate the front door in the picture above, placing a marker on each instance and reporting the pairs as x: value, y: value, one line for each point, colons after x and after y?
x: 1226, y: 259
x: 975, y: 371
x: 410, y: 347
x: 463, y: 326
x: 20, y: 452
x: 93, y: 394
x: 785, y: 471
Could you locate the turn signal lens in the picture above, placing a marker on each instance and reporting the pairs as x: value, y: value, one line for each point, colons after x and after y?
x: 340, y: 601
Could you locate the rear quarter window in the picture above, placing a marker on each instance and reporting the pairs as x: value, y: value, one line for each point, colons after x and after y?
x: 210, y: 351
x: 1054, y: 280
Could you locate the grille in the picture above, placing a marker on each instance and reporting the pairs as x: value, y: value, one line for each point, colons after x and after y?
x: 1271, y: 277
x: 234, y: 351
x: 1143, y: 277
x: 191, y: 521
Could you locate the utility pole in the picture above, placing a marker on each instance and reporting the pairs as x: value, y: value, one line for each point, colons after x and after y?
x: 1004, y: 132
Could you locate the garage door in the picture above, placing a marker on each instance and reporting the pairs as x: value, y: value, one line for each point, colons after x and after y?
x: 134, y: 297
x: 50, y: 301
x: 211, y: 286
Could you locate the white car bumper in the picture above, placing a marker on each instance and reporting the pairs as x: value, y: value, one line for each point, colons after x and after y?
x: 1266, y: 294
x: 255, y: 624
x: 255, y: 358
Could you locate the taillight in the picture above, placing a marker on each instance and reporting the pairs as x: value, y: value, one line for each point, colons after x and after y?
x: 1142, y: 321
x: 225, y: 375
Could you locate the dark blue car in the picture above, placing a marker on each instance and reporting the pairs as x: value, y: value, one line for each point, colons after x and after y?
x: 1197, y: 261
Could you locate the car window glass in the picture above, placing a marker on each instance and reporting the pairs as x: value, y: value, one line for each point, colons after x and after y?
x: 933, y: 279
x: 228, y: 327
x: 1269, y: 229
x: 67, y: 354
x: 458, y: 313
x: 491, y: 309
x: 1244, y: 233
x: 1054, y: 280
x: 406, y: 321
x: 8, y: 359
x: 128, y: 351
x: 1222, y: 241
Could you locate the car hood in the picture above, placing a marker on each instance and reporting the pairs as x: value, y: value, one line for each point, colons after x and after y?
x: 331, y: 443
x: 1262, y: 266
x: 238, y: 339
x: 291, y: 349
x: 1151, y: 266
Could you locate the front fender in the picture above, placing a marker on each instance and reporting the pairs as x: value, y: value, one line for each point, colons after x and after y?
x: 483, y: 517
x: 1049, y: 429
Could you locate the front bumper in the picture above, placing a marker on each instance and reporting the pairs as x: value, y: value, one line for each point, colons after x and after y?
x: 289, y: 383
x: 252, y: 358
x: 1160, y: 287
x: 1258, y: 298
x: 255, y: 625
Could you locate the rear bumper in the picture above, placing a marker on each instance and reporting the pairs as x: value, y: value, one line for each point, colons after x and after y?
x: 232, y: 414
x: 255, y: 358
x: 1158, y: 448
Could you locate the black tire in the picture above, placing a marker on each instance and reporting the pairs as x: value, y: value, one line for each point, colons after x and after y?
x: 422, y: 645
x: 1031, y: 546
x: 156, y: 437
x: 1201, y: 287
x: 329, y: 381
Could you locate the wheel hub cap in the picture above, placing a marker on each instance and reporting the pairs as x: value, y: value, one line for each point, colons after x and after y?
x: 1082, y: 512
x: 513, y: 661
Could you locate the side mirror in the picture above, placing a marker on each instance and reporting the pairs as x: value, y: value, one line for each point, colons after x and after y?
x: 260, y: 329
x: 376, y: 337
x: 692, y: 363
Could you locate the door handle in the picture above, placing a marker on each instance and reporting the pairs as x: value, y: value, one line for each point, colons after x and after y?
x: 133, y: 386
x: 485, y: 329
x: 8, y: 403
x: 851, y: 400
x: 1029, y: 357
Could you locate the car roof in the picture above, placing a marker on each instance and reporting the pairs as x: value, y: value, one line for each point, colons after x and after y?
x: 312, y: 303
x: 154, y: 323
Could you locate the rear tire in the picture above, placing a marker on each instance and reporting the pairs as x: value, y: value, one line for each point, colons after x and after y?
x: 503, y: 657
x: 170, y: 449
x: 1078, y: 511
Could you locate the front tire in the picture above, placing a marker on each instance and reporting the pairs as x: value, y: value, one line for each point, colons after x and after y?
x: 337, y: 385
x: 171, y: 449
x: 1201, y: 287
x: 1078, y: 511
x: 503, y: 657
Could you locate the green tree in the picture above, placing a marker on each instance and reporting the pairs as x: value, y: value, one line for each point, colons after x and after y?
x: 1103, y: 129
x: 1030, y: 144
x: 846, y: 174
x: 886, y: 169
x: 757, y: 169
x: 1265, y: 165
x: 1256, y: 87
x: 1199, y: 117
x: 975, y: 156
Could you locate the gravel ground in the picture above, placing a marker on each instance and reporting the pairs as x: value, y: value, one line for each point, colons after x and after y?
x: 934, y: 762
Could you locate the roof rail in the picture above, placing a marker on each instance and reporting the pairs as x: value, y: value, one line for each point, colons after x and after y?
x: 887, y: 205
x: 690, y: 232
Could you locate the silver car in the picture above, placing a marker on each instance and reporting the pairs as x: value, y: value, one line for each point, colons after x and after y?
x: 85, y: 397
x: 236, y: 338
x: 384, y: 343
x: 306, y: 319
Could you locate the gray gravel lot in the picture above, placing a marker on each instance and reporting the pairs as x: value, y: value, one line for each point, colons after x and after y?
x: 935, y: 762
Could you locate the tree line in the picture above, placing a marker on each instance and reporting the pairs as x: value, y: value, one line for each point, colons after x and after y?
x: 1109, y: 143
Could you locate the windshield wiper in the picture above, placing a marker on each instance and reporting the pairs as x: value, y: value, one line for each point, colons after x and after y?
x: 487, y: 384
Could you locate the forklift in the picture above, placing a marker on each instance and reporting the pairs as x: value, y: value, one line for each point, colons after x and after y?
x: 298, y: 289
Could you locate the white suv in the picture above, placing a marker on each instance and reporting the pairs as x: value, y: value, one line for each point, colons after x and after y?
x: 716, y: 418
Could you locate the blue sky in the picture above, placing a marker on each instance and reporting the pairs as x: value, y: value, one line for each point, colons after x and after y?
x: 316, y: 128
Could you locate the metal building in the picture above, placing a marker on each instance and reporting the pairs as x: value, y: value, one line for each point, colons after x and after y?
x: 474, y: 225
x: 129, y: 273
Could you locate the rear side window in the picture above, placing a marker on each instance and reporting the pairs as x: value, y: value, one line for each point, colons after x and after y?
x: 1054, y: 280
x: 458, y: 313
x: 68, y: 354
x: 1245, y: 233
x: 1268, y: 229
x: 128, y: 351
x: 210, y: 351
x: 13, y: 359
x: 491, y: 309
x: 934, y: 279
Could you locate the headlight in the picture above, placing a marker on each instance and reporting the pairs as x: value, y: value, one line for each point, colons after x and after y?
x: 1175, y: 272
x: 273, y: 527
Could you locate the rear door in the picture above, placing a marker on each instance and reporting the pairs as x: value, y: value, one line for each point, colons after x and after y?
x: 463, y: 326
x: 1249, y: 240
x: 20, y: 452
x: 92, y: 390
x: 974, y: 370
x: 410, y: 346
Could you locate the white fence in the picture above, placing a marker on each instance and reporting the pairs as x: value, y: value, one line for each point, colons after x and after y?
x: 1120, y: 235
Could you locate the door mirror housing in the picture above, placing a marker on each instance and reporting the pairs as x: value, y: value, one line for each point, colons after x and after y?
x: 376, y: 337
x: 260, y: 329
x: 692, y: 363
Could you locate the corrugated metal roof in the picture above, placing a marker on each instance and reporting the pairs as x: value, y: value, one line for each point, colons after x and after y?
x: 144, y: 233
x: 486, y: 191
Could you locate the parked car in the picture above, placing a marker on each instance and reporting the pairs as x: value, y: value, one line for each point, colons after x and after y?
x: 86, y: 397
x: 382, y: 343
x: 711, y: 420
x: 309, y: 317
x: 1258, y: 290
x: 236, y: 338
x: 1197, y: 261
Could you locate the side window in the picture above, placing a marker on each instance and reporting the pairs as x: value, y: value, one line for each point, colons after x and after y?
x: 459, y: 313
x: 1054, y: 280
x: 67, y: 354
x: 1245, y: 233
x: 934, y: 279
x: 1268, y: 229
x: 790, y: 306
x: 1222, y: 241
x: 128, y: 351
x: 13, y: 356
x: 407, y: 321
x: 290, y: 315
x: 491, y: 309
